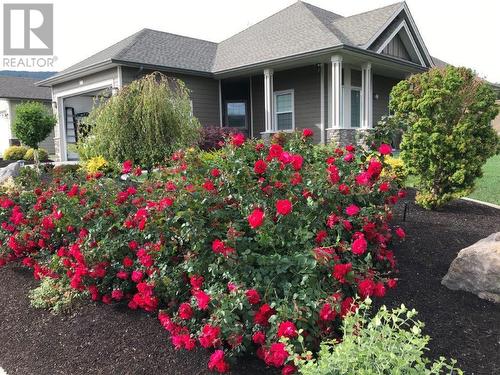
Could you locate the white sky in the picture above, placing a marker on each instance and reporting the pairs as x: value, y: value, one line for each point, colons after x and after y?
x: 457, y: 31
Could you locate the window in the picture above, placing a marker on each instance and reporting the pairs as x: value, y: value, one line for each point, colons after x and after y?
x: 284, y: 110
x: 236, y: 114
x: 355, y: 108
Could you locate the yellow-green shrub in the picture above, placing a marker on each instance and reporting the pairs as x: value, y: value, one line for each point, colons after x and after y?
x: 43, y: 155
x: 15, y: 153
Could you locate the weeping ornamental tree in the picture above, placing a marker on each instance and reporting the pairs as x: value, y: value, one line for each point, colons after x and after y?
x: 33, y: 123
x: 447, y: 113
x: 144, y: 122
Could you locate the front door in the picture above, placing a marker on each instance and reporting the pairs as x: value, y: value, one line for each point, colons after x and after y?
x: 237, y: 115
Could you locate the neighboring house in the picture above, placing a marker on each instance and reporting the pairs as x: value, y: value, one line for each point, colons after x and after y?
x: 301, y: 67
x: 496, y: 121
x: 16, y: 90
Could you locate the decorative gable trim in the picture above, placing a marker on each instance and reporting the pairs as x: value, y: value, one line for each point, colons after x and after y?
x: 408, y: 36
x: 428, y: 62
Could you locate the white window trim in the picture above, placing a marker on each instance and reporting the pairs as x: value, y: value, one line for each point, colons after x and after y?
x: 360, y: 127
x: 275, y: 112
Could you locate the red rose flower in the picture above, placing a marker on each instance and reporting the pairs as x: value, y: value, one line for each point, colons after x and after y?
x: 256, y: 218
x: 347, y: 306
x: 127, y: 262
x: 215, y: 172
x: 352, y: 210
x: 259, y: 338
x: 185, y: 311
x: 321, y: 236
x: 306, y: 133
x: 391, y: 283
x: 287, y: 329
x: 384, y: 187
x: 253, y: 296
x: 127, y: 167
x: 202, y: 299
x: 359, y: 245
x: 379, y: 290
x: 209, y: 336
x: 196, y: 281
x: 275, y: 151
x: 385, y: 149
x: 344, y: 189
x: 327, y: 313
x: 137, y: 276
x: 340, y: 271
x: 217, y: 362
x: 401, y: 233
x: 260, y: 167
x: 276, y: 355
x: 283, y: 207
x: 288, y: 370
x: 237, y: 139
x: 263, y: 314
x: 117, y: 294
x: 297, y: 162
x: 366, y: 288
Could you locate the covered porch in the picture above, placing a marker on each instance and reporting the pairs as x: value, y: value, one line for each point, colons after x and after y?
x: 340, y: 96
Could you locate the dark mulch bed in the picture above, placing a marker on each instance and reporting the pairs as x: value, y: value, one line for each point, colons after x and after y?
x: 100, y: 339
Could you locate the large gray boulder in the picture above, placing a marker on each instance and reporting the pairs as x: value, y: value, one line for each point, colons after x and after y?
x: 476, y: 269
x: 12, y: 170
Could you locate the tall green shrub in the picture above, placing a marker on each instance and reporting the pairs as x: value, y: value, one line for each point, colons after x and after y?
x: 144, y: 122
x: 449, y: 136
x: 33, y: 123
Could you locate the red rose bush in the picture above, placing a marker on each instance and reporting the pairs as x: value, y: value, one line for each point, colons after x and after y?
x: 256, y: 248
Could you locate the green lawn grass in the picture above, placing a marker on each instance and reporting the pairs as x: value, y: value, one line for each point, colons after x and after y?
x: 488, y: 187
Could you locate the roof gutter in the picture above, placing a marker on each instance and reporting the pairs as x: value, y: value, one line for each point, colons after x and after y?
x: 163, y: 68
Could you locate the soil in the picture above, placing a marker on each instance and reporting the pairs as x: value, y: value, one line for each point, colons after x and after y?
x: 103, y: 339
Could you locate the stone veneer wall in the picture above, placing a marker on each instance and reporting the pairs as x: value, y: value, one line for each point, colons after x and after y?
x: 343, y: 137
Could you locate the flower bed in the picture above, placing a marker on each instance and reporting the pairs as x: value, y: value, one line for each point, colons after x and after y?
x: 252, y: 248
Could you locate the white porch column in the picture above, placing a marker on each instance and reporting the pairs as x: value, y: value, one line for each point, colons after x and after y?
x: 367, y: 94
x: 336, y: 75
x: 268, y: 99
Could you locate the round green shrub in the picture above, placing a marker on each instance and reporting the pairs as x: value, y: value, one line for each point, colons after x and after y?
x: 43, y: 155
x: 145, y: 122
x: 15, y: 153
x: 33, y: 123
x: 448, y: 114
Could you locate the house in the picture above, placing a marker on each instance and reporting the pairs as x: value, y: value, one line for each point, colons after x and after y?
x: 301, y: 67
x: 13, y: 91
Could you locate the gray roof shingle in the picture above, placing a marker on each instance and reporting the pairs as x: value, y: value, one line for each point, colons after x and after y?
x: 151, y: 47
x: 297, y: 29
x: 357, y: 30
x: 291, y: 31
x: 23, y: 88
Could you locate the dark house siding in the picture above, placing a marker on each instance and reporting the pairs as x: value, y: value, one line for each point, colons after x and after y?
x: 382, y: 87
x: 204, y: 93
x: 307, y: 96
x: 258, y: 105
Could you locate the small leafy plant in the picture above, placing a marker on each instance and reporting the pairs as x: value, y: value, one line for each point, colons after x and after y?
x: 55, y: 295
x: 391, y: 342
